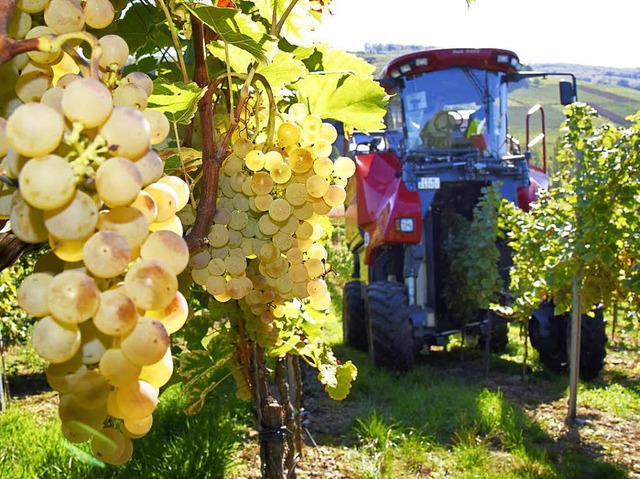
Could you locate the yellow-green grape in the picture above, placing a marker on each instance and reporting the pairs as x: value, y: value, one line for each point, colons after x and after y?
x: 19, y: 24
x: 269, y: 253
x: 150, y: 284
x: 236, y: 288
x: 317, y: 288
x: 73, y: 297
x: 173, y: 316
x: 159, y: 126
x: 311, y: 126
x: 166, y: 200
x: 131, y: 95
x: 32, y: 6
x: 216, y: 267
x: 27, y: 223
x: 137, y: 427
x: 117, y: 369
x: 294, y: 255
x: 106, y: 254
x: 300, y: 160
x: 284, y: 284
x: 323, y: 166
x: 14, y: 162
x: 180, y: 187
x: 64, y: 16
x: 54, y: 341
x: 4, y: 144
x: 329, y: 133
x: 267, y: 226
x: 94, y: 343
x: 115, y: 52
x: 280, y: 210
x: 147, y: 343
x: 77, y: 421
x: 67, y: 250
x: 8, y: 76
x: 344, y: 167
x: 288, y: 134
x: 47, y: 182
x: 315, y: 267
x: 145, y: 203
x: 137, y: 400
x: 321, y: 303
x: 158, y: 373
x: 281, y: 173
x: 126, y: 220
x: 235, y: 263
x: 272, y: 160
x: 150, y: 166
x: 262, y: 202
x: 254, y: 160
x: 243, y: 147
x: 83, y: 92
x: 44, y: 58
x: 303, y: 211
x: 277, y: 268
x: 77, y: 219
x: 296, y: 194
x: 318, y: 231
x: 34, y: 129
x: 218, y: 235
x: 298, y: 112
x: 261, y: 183
x: 215, y: 284
x: 317, y: 251
x: 53, y: 98
x: 241, y: 203
x: 239, y: 220
x: 117, y: 314
x: 60, y: 376
x: 304, y: 230
x: 108, y: 445
x: 33, y: 294
x: 118, y: 181
x: 200, y: 259
x: 141, y: 79
x: 321, y: 148
x: 304, y: 244
x: 320, y: 207
x: 126, y: 132
x: 33, y: 82
x: 167, y: 247
x: 98, y: 14
x: 335, y: 196
x: 67, y: 80
x: 172, y: 224
x: 317, y: 186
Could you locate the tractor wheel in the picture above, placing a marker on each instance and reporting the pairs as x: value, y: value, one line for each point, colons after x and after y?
x: 593, y: 341
x: 390, y: 328
x: 354, y: 325
x: 593, y: 345
x: 499, y: 335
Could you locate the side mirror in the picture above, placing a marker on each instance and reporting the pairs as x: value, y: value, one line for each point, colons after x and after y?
x: 567, y: 92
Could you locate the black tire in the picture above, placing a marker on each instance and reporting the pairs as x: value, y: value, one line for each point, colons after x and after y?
x: 354, y: 324
x: 499, y: 336
x: 389, y: 326
x: 593, y: 346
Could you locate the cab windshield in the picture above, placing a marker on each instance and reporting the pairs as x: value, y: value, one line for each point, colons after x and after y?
x: 457, y: 108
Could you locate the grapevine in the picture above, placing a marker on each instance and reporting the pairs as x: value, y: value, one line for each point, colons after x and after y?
x: 199, y: 179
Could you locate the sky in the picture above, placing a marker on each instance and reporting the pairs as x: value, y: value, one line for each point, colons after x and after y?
x: 589, y: 32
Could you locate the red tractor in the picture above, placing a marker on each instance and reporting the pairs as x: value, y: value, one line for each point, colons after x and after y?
x: 446, y: 139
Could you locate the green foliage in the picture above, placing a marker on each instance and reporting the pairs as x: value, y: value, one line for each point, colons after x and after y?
x: 586, y: 225
x: 14, y: 322
x: 176, y: 100
x: 473, y: 277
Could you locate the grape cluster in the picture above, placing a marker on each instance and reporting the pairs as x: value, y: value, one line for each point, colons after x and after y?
x: 264, y: 246
x: 87, y: 181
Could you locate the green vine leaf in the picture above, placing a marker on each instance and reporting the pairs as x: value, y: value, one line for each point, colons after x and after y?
x: 282, y: 71
x: 337, y: 379
x: 142, y: 25
x: 354, y: 101
x: 179, y: 102
x: 297, y: 25
x: 234, y: 28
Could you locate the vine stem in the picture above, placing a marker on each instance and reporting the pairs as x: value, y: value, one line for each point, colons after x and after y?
x: 182, y: 167
x: 175, y: 39
x: 9, y: 47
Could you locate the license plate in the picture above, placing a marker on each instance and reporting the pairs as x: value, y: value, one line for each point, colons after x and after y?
x: 429, y: 183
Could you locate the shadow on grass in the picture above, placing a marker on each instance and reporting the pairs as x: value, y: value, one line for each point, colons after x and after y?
x: 445, y: 415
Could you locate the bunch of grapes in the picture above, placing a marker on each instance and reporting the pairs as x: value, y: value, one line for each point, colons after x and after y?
x: 81, y: 175
x: 264, y: 245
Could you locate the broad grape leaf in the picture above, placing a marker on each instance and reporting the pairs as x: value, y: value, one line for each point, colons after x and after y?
x: 334, y: 60
x: 191, y: 159
x: 201, y: 371
x: 298, y: 23
x: 234, y: 28
x: 142, y: 24
x: 337, y: 379
x: 283, y: 70
x: 179, y: 102
x: 354, y: 101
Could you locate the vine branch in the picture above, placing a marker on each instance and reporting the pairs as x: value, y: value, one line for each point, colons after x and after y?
x: 9, y: 47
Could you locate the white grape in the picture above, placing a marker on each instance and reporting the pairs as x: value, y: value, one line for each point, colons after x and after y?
x: 47, y: 182
x: 34, y: 129
x: 118, y: 181
x: 88, y: 101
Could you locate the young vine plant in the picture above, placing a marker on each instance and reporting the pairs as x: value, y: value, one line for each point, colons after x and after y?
x: 161, y: 152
